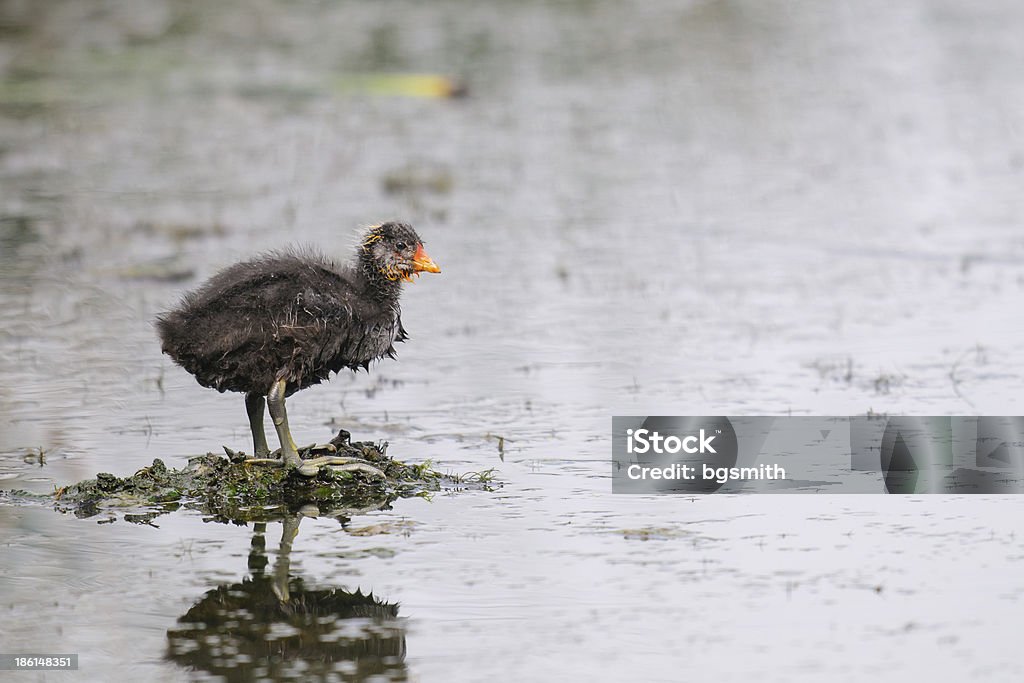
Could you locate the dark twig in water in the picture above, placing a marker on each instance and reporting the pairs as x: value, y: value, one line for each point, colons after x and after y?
x: 36, y: 456
x: 979, y: 352
x: 501, y: 444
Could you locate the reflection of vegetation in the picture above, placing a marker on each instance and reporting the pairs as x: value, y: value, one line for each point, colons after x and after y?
x: 648, y: 533
x: 15, y: 232
x: 275, y: 627
x: 383, y: 50
x: 415, y: 178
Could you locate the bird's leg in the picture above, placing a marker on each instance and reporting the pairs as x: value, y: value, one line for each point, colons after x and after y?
x: 289, y: 452
x: 254, y: 406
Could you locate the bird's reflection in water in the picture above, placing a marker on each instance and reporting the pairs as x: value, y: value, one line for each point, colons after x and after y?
x: 273, y: 627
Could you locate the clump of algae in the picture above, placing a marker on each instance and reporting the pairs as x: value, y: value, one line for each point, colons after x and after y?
x: 229, y: 489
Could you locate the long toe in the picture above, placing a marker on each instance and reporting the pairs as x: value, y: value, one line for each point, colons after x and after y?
x: 275, y: 462
x: 239, y: 456
x: 339, y: 464
x: 307, y: 469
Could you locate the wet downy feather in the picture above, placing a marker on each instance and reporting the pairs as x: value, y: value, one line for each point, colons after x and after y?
x: 291, y: 314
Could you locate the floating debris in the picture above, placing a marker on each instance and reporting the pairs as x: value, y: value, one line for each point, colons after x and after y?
x: 181, y: 232
x: 649, y: 533
x: 162, y: 270
x: 403, y: 85
x: 230, y: 489
x: 16, y: 231
x: 416, y: 178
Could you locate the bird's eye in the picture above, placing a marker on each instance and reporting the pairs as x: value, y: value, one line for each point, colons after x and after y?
x: 401, y: 246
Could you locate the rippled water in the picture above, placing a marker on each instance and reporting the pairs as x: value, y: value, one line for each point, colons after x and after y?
x: 668, y: 208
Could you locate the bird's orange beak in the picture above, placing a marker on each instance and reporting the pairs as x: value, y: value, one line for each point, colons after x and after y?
x: 421, y: 261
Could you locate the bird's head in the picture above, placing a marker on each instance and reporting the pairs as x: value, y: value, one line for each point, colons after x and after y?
x: 396, y: 252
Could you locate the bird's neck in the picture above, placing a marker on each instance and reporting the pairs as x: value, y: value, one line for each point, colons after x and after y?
x: 383, y: 290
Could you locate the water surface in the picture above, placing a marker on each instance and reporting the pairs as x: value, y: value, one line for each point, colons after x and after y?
x: 670, y: 208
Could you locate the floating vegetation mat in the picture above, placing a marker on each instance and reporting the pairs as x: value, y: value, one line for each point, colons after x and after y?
x: 229, y: 489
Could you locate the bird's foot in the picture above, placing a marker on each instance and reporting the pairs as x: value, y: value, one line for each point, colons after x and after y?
x: 276, y: 462
x: 317, y: 448
x: 240, y: 456
x: 287, y: 458
x: 310, y: 467
x: 270, y: 457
